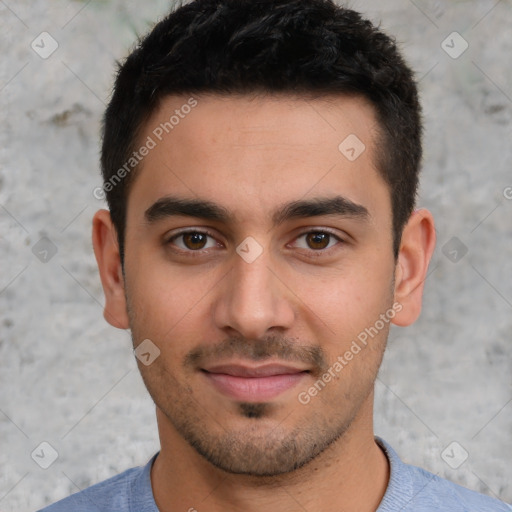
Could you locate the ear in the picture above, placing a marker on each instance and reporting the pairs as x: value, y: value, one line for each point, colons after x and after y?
x: 106, y: 250
x: 416, y: 248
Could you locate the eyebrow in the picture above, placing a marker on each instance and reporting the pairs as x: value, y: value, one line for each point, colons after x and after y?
x: 170, y: 206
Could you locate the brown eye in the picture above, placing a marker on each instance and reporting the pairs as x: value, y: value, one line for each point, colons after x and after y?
x: 194, y: 240
x: 318, y: 240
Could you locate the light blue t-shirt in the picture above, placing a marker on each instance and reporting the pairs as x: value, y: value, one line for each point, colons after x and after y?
x: 410, y: 489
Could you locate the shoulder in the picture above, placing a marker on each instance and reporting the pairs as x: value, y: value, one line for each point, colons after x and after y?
x: 130, y: 490
x: 413, y: 488
x: 432, y: 491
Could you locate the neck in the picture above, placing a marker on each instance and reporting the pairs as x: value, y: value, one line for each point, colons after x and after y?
x: 351, y: 475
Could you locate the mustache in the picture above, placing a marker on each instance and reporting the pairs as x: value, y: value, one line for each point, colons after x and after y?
x: 258, y: 350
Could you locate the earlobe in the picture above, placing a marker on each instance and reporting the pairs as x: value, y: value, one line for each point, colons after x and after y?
x: 416, y: 248
x: 106, y: 250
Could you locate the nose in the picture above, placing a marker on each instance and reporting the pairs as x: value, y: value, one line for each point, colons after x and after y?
x: 254, y: 299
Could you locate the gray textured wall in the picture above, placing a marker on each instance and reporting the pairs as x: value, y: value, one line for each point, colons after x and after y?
x: 69, y: 379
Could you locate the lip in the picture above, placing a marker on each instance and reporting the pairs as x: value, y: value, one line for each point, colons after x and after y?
x: 253, y: 384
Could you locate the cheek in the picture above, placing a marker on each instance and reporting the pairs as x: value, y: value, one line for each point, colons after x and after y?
x: 168, y: 304
x: 348, y: 300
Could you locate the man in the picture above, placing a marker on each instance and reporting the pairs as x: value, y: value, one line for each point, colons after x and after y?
x: 260, y: 161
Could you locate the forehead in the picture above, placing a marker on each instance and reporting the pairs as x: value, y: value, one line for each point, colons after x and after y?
x: 252, y: 152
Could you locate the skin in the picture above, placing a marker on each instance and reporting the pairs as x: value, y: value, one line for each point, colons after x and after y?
x: 302, y: 301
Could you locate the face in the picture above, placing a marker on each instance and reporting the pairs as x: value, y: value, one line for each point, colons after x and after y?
x: 258, y: 256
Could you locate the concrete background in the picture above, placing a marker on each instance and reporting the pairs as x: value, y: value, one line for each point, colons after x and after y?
x: 69, y: 379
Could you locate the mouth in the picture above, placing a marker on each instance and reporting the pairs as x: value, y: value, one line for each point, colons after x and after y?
x: 253, y: 383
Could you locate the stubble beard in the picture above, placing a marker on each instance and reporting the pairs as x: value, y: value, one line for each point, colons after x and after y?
x: 262, y: 448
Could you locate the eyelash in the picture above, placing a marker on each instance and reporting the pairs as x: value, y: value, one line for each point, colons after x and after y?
x: 200, y: 252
